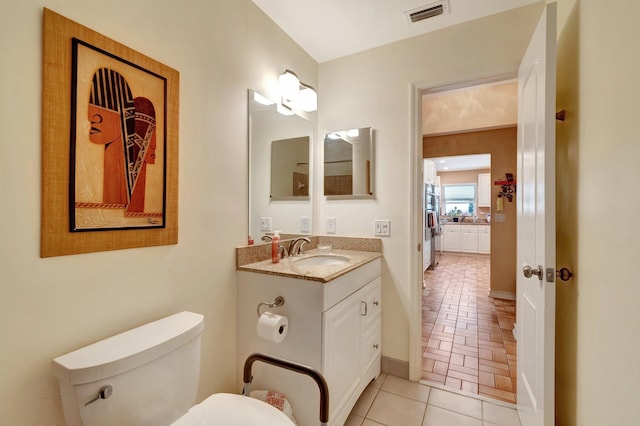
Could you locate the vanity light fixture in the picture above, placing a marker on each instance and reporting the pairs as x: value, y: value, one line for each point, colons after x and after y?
x: 308, y: 98
x: 294, y: 94
x: 289, y: 85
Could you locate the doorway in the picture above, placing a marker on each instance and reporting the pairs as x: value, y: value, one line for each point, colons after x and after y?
x: 468, y: 314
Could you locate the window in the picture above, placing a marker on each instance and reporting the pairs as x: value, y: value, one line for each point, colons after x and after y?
x: 460, y: 197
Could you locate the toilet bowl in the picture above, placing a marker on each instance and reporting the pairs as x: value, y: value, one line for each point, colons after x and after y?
x: 149, y: 376
x: 233, y: 410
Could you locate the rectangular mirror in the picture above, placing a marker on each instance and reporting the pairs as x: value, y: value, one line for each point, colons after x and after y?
x: 290, y: 168
x: 279, y: 170
x: 349, y: 164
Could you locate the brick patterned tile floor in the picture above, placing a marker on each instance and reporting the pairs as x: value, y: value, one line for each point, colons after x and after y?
x: 467, y: 339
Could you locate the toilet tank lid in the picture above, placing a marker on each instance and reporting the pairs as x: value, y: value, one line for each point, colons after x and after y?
x: 128, y: 350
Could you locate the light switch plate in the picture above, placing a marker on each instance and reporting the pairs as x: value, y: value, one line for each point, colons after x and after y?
x: 331, y: 225
x: 265, y: 224
x: 304, y: 224
x: 382, y: 228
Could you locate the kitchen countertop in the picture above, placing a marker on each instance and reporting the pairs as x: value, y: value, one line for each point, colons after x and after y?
x: 322, y: 273
x: 466, y: 223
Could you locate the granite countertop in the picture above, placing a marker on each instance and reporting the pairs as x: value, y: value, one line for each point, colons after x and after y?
x: 322, y: 273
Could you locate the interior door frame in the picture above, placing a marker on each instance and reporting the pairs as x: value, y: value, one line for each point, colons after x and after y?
x: 417, y: 191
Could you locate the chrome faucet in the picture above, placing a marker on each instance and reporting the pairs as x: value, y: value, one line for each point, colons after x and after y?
x: 282, y: 251
x: 266, y: 238
x: 296, y: 246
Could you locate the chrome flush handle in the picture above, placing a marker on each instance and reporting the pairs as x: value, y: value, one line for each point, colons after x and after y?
x: 104, y: 393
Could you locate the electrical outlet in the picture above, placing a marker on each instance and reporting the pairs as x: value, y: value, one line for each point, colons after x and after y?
x: 331, y: 225
x: 382, y: 228
x: 265, y: 224
x: 304, y: 224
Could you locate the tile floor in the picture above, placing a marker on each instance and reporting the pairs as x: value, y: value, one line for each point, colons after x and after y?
x: 392, y: 401
x: 468, y: 344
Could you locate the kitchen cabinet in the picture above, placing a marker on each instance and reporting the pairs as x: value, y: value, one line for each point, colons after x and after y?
x: 452, y: 237
x: 469, y: 238
x: 484, y: 239
x: 426, y: 253
x: 430, y: 172
x: 484, y: 190
x: 334, y: 327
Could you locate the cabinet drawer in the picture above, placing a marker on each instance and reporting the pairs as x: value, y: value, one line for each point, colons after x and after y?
x: 342, y: 287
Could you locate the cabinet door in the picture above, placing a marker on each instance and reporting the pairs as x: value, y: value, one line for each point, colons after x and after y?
x: 484, y: 239
x: 452, y: 239
x: 484, y: 190
x: 341, y: 349
x: 426, y: 255
x: 469, y: 240
x: 371, y: 328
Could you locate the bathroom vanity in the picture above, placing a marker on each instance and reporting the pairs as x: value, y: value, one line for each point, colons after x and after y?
x: 334, y: 326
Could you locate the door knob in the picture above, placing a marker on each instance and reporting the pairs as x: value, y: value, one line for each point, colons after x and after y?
x: 529, y: 271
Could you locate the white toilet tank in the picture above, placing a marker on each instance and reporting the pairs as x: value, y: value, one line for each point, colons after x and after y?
x: 152, y: 370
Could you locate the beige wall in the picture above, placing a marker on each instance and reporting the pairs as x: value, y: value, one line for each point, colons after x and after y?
x: 52, y: 306
x: 480, y: 107
x: 373, y: 88
x: 501, y: 144
x: 598, y: 319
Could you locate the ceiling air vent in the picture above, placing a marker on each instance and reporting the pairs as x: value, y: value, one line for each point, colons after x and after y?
x: 425, y: 12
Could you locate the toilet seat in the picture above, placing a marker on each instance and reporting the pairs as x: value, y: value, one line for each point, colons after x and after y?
x: 233, y: 410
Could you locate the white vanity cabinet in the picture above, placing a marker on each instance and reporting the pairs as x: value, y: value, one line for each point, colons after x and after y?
x: 334, y: 327
x: 351, y: 345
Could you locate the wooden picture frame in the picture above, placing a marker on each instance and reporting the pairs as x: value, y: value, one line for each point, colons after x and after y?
x: 101, y: 193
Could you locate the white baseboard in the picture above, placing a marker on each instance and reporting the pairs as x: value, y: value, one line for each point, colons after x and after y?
x: 502, y: 295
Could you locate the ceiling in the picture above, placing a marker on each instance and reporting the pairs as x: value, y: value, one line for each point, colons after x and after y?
x: 462, y: 162
x: 330, y: 29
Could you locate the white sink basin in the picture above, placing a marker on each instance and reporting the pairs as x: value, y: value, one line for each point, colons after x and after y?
x: 322, y: 260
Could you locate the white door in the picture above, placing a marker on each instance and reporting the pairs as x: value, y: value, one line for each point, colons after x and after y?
x: 536, y: 291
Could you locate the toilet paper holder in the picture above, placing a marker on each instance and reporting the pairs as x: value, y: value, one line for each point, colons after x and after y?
x: 278, y: 301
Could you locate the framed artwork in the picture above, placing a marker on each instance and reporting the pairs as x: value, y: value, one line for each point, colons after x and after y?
x: 109, y: 144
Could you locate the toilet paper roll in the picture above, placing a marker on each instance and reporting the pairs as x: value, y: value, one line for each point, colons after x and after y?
x: 273, y: 327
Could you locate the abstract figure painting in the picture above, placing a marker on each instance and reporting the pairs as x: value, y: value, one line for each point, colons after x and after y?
x: 109, y: 144
x: 117, y: 178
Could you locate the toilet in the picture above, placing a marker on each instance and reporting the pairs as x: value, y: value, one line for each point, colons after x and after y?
x: 149, y: 376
